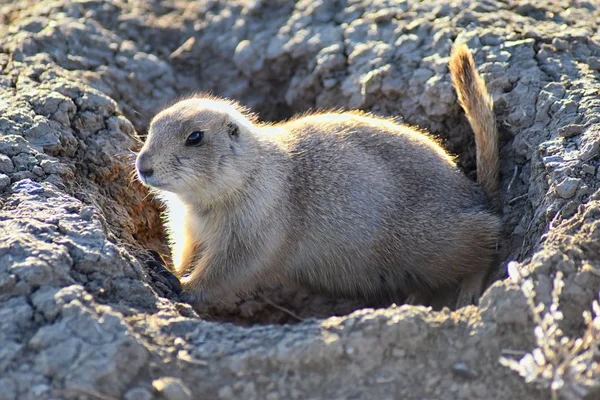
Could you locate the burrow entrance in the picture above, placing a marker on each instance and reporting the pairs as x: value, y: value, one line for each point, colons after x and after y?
x: 178, y: 60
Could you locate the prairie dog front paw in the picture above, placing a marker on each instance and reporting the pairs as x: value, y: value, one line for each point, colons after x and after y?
x: 193, y: 294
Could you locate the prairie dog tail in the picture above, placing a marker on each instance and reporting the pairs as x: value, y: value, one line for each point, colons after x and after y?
x: 479, y: 108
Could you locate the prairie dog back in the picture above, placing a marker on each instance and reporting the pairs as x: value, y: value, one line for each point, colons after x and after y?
x: 344, y: 202
x: 406, y: 195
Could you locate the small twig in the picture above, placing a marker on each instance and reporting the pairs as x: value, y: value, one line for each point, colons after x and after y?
x: 512, y: 180
x: 186, y: 47
x: 556, y: 216
x: 280, y: 308
x: 515, y: 199
x: 185, y: 356
x: 513, y: 352
x: 529, y: 145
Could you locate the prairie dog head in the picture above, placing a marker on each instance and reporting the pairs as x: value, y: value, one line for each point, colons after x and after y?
x: 200, y: 149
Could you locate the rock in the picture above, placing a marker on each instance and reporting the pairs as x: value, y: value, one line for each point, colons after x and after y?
x: 6, y: 164
x: 172, y: 389
x: 570, y: 130
x: 560, y: 44
x: 82, y: 315
x: 138, y: 394
x: 589, y: 169
x: 594, y: 63
x: 567, y: 187
x: 462, y: 370
x: 590, y: 144
x: 4, y: 181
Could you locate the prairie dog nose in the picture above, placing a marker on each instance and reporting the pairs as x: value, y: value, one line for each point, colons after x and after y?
x: 142, y: 165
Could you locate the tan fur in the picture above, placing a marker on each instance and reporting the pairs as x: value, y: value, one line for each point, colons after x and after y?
x: 345, y: 203
x: 479, y: 109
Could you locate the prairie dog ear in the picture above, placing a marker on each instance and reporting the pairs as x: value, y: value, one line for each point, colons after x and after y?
x: 233, y: 130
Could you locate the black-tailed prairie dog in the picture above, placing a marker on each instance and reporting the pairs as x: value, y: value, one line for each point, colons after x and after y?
x: 344, y: 202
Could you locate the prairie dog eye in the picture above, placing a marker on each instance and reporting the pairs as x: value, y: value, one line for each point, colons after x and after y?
x: 195, y: 138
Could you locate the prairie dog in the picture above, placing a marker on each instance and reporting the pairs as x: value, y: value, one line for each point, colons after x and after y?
x: 344, y: 202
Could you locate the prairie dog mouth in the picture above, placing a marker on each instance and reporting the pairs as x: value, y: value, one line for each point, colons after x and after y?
x: 151, y: 181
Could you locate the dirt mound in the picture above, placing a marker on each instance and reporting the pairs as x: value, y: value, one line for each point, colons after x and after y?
x: 82, y: 316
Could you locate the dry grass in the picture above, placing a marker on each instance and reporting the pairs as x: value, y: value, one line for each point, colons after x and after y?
x: 568, y: 367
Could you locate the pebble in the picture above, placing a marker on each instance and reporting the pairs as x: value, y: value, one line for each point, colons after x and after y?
x: 462, y: 370
x: 6, y: 164
x: 590, y: 149
x: 589, y: 169
x: 172, y: 388
x: 567, y: 188
x: 570, y: 130
x: 138, y: 394
x: 594, y: 63
x: 4, y: 181
x: 560, y: 44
